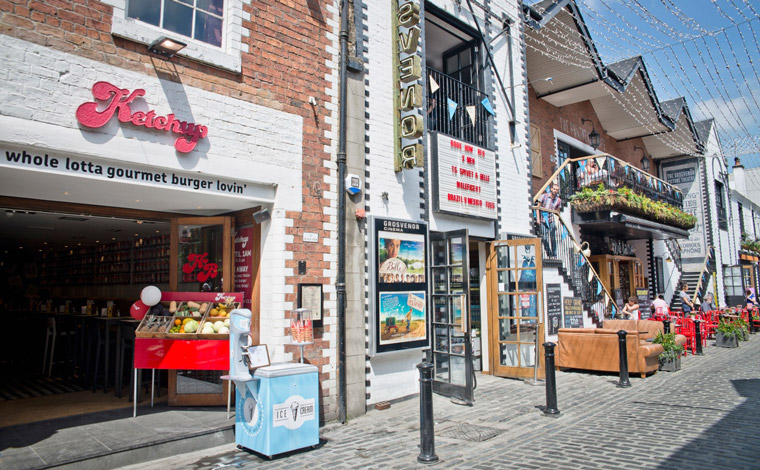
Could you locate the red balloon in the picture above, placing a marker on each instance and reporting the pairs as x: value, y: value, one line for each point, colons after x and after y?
x: 138, y: 310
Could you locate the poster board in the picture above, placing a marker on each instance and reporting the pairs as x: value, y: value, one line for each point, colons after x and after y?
x: 553, y: 307
x: 645, y: 304
x: 399, y: 285
x: 573, y: 310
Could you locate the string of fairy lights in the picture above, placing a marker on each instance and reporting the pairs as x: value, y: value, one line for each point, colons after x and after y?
x: 717, y: 84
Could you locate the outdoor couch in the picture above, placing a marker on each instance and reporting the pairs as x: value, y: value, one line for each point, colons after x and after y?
x: 598, y: 348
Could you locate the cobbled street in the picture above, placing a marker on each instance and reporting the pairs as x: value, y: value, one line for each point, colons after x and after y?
x: 704, y: 416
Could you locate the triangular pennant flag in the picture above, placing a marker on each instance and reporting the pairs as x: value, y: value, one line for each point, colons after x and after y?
x: 452, y: 107
x: 582, y: 163
x: 564, y: 233
x: 638, y: 176
x: 487, y: 104
x: 659, y: 185
x: 613, y: 309
x: 598, y: 287
x: 548, y: 189
x: 433, y: 84
x: 471, y: 112
x: 562, y: 174
x: 626, y: 170
x: 600, y: 162
x: 590, y: 275
x: 612, y: 164
x: 607, y: 300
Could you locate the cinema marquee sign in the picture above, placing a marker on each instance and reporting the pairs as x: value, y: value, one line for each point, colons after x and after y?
x: 408, y: 63
x: 118, y: 100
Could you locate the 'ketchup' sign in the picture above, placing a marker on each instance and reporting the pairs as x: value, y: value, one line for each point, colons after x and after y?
x: 118, y: 102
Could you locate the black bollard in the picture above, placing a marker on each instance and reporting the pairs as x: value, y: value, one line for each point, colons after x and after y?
x: 624, y: 382
x: 666, y: 326
x: 427, y: 426
x: 698, y: 336
x: 551, y: 384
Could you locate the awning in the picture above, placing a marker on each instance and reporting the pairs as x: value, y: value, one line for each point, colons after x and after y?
x: 625, y: 227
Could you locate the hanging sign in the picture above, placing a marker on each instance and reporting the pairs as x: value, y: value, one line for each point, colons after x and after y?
x: 464, y: 178
x: 118, y: 101
x: 408, y: 63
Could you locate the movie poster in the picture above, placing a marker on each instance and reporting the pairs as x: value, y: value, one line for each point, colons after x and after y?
x: 400, y: 285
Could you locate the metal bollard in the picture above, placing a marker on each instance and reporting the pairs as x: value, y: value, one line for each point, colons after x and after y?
x: 624, y: 382
x: 427, y: 426
x: 666, y: 326
x: 698, y: 336
x: 551, y: 384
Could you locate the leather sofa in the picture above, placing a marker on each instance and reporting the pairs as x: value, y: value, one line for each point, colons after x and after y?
x: 598, y: 349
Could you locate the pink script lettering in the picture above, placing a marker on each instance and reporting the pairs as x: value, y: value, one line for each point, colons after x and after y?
x: 118, y: 102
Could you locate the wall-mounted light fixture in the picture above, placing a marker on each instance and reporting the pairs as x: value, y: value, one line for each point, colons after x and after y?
x: 644, y: 160
x: 166, y: 47
x: 593, y: 137
x: 261, y: 216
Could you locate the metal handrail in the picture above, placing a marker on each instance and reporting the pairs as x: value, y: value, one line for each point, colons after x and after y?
x: 705, y: 268
x: 569, y: 254
x: 615, y: 175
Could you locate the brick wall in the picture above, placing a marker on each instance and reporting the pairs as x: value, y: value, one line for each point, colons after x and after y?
x: 262, y: 125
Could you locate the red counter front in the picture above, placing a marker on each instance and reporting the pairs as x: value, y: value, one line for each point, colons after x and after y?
x: 196, y: 354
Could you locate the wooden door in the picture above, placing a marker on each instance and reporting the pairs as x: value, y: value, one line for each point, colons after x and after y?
x: 515, y: 307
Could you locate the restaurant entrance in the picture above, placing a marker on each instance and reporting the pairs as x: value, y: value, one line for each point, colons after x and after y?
x: 68, y: 276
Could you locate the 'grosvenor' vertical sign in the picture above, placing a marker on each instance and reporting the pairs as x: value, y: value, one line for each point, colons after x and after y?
x: 408, y: 64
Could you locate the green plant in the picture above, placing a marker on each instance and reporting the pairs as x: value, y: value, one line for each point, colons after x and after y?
x: 742, y: 327
x: 728, y: 329
x: 668, y: 341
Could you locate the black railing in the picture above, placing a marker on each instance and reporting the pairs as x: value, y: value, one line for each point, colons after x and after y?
x: 458, y: 123
x: 674, y: 248
x: 559, y: 244
x: 590, y: 172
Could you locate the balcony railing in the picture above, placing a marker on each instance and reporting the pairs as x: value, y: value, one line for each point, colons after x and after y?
x: 576, y: 173
x: 458, y: 124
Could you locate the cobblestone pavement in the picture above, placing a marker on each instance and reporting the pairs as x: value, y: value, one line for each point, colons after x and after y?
x: 703, y: 416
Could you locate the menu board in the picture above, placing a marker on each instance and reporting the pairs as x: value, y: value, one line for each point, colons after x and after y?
x: 553, y: 307
x: 573, y: 312
x: 645, y: 304
x: 244, y: 263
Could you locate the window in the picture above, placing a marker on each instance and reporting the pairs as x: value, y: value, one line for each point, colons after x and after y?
x: 660, y: 275
x: 197, y: 19
x: 719, y: 202
x: 535, y: 151
x: 212, y: 29
x: 741, y: 220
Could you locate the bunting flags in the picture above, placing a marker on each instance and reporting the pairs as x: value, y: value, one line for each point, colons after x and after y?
x: 471, y: 112
x: 638, y: 176
x: 452, y: 107
x: 564, y: 233
x: 487, y: 104
x: 600, y: 162
x: 590, y: 275
x: 433, y: 84
x: 626, y: 170
x: 562, y: 175
x: 612, y: 164
x: 598, y: 287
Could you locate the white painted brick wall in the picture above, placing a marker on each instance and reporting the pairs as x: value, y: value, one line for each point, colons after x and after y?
x: 394, y: 376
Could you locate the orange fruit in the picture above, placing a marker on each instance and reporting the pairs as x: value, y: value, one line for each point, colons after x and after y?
x: 177, y: 321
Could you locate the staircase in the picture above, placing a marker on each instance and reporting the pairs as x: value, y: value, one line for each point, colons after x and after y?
x: 698, y: 281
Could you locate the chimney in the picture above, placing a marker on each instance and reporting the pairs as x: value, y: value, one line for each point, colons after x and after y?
x: 740, y: 185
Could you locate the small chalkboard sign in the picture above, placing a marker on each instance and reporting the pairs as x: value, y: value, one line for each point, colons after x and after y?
x: 553, y: 307
x: 573, y: 312
x: 645, y: 304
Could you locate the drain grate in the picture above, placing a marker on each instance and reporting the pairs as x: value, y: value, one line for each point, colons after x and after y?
x: 468, y: 432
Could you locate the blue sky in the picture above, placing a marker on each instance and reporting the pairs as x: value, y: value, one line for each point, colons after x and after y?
x: 707, y: 51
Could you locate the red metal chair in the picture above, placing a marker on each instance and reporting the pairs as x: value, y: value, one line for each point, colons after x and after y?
x: 711, y: 321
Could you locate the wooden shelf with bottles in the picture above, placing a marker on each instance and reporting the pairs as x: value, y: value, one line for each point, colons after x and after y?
x: 118, y: 263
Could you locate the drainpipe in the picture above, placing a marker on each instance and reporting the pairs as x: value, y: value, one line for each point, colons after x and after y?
x: 340, y: 285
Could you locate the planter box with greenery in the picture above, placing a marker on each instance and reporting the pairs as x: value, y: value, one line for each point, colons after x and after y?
x: 727, y: 335
x: 670, y: 358
x: 626, y: 200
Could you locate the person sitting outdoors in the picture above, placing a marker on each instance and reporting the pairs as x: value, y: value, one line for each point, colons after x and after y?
x: 592, y: 174
x: 708, y: 305
x: 631, y: 309
x: 659, y: 306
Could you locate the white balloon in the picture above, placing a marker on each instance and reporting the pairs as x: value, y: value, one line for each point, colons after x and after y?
x: 150, y: 295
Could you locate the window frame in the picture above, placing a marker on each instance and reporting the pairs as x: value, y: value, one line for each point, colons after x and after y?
x: 227, y: 57
x: 195, y: 8
x: 721, y: 206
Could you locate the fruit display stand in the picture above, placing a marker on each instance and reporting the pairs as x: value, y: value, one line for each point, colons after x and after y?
x: 158, y: 348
